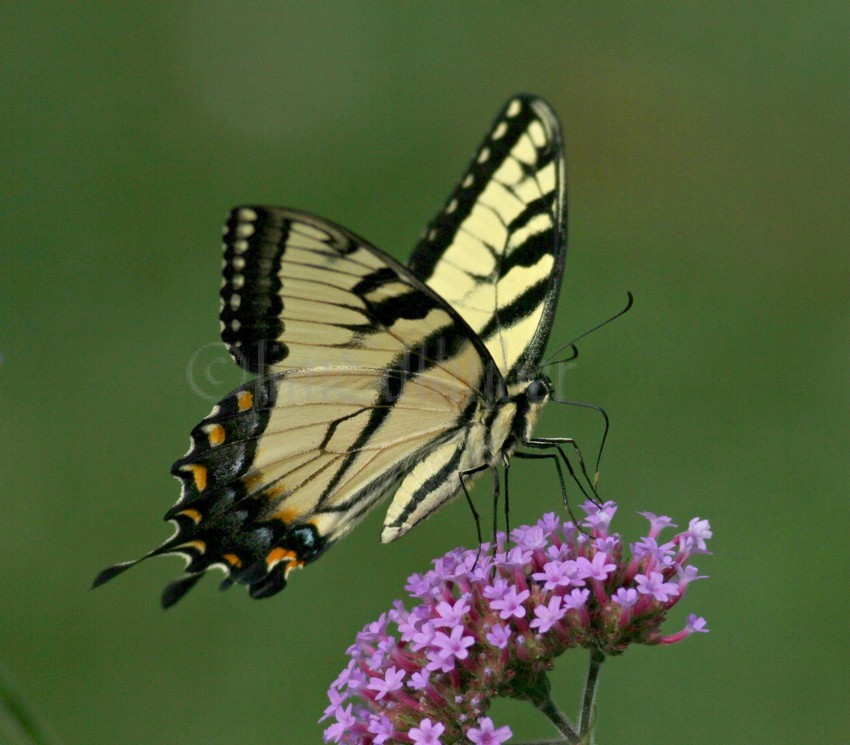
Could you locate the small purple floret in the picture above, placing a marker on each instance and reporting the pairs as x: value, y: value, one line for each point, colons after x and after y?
x: 487, y: 734
x: 510, y: 605
x: 427, y: 733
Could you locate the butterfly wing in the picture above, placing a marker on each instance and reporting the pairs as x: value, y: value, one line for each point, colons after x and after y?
x: 433, y: 480
x: 363, y: 371
x: 496, y: 252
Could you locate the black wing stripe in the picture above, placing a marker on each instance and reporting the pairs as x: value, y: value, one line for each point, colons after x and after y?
x: 436, y: 348
x: 446, y: 472
x: 520, y: 308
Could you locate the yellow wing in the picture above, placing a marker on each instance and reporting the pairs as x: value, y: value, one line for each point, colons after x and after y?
x: 496, y: 252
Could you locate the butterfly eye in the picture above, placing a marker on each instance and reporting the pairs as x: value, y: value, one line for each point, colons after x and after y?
x: 537, y: 391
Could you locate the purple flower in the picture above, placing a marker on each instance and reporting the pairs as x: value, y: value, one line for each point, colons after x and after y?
x: 648, y: 547
x: 487, y: 734
x: 530, y: 537
x: 391, y: 681
x: 655, y: 585
x: 625, y: 597
x: 497, y: 589
x: 608, y: 545
x: 558, y: 573
x: 549, y: 522
x: 450, y: 648
x: 418, y: 585
x: 451, y: 613
x: 499, y: 635
x: 696, y: 624
x: 483, y: 621
x: 336, y: 699
x: 517, y: 555
x: 373, y: 630
x: 419, y: 680
x: 511, y: 603
x: 698, y: 532
x: 656, y: 523
x: 596, y: 568
x: 427, y: 733
x: 576, y: 599
x: 548, y: 615
x: 381, y: 727
x: 424, y: 636
x: 408, y: 626
x: 599, y: 517
x: 345, y: 720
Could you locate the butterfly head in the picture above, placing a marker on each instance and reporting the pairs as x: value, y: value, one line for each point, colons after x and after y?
x: 529, y: 400
x: 538, y: 391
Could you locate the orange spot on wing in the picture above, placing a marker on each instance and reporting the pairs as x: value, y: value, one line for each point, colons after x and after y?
x: 279, y: 554
x: 277, y: 489
x: 233, y: 560
x: 292, y: 565
x: 216, y: 434
x: 192, y: 513
x: 286, y: 515
x: 198, y: 546
x: 245, y: 400
x: 252, y: 480
x: 199, y: 473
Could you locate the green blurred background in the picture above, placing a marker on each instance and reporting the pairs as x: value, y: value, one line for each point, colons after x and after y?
x: 708, y: 169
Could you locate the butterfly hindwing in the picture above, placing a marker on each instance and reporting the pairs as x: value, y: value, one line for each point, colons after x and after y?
x: 496, y: 251
x: 431, y: 482
x: 363, y: 370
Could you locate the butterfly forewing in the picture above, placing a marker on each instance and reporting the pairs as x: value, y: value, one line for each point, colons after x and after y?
x: 496, y: 251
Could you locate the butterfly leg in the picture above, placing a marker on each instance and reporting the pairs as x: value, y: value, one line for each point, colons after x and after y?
x: 507, y: 465
x: 556, y: 443
x: 607, y: 421
x: 475, y: 515
x: 553, y: 457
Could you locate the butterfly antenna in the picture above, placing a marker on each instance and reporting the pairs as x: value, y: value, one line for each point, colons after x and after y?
x: 548, y: 361
x: 573, y: 356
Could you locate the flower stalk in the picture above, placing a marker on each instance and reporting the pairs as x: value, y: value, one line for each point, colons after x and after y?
x: 589, y: 699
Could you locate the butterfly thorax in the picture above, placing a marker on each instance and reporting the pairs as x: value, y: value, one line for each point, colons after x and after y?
x: 535, y: 396
x: 509, y: 422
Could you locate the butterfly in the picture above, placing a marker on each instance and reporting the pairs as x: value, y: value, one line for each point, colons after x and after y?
x: 374, y: 377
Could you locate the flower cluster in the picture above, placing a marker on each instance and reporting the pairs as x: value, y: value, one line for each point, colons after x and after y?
x: 490, y: 623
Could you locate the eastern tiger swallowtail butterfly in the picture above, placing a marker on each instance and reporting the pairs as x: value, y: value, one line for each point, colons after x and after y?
x: 373, y: 376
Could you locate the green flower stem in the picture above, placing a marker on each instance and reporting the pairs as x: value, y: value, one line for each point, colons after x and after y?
x: 589, y: 701
x: 17, y: 720
x: 535, y: 687
x: 565, y: 727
